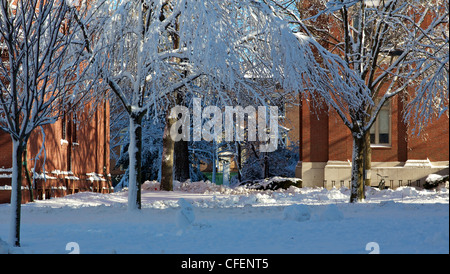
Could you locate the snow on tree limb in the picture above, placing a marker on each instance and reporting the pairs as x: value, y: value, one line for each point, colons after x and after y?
x: 220, y: 50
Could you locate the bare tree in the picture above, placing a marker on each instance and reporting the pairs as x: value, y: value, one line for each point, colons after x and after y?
x: 394, y: 47
x: 39, y: 74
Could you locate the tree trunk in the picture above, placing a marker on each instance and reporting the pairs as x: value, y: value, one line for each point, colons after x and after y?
x: 27, y: 173
x: 214, y: 164
x: 266, y: 165
x: 16, y: 192
x: 239, y: 161
x: 368, y: 159
x: 167, y: 156
x: 135, y: 169
x: 181, y: 154
x: 357, y: 191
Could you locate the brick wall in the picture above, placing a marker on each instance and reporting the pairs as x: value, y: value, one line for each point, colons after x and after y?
x: 433, y: 143
x: 314, y: 146
x: 82, y: 152
x: 5, y: 150
x: 326, y: 148
x: 326, y: 138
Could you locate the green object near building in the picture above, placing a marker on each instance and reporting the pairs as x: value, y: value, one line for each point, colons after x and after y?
x: 219, y: 177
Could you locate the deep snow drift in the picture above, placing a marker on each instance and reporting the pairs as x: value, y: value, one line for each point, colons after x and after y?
x: 205, y: 218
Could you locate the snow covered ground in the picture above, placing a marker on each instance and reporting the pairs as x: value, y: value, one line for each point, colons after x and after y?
x: 204, y: 218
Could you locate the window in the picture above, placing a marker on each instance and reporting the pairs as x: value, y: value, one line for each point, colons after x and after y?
x: 380, y: 133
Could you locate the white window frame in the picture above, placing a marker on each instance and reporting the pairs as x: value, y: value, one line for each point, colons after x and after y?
x: 376, y: 127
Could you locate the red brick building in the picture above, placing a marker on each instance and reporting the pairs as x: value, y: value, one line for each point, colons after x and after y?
x: 75, y: 157
x: 71, y: 155
x: 325, y: 145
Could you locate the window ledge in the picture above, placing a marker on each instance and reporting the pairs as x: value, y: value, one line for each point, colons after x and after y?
x: 381, y: 146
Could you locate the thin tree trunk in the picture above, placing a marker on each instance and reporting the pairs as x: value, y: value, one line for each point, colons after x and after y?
x: 214, y: 164
x: 135, y: 169
x: 16, y: 192
x: 105, y: 144
x: 27, y: 174
x: 368, y: 159
x: 357, y: 191
x: 167, y: 156
x: 239, y: 161
x: 266, y: 165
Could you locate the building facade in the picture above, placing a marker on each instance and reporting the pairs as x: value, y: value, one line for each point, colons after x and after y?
x: 326, y: 144
x: 403, y: 158
x: 67, y: 157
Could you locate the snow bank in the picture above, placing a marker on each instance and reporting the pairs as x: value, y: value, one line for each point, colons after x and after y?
x: 151, y: 186
x: 273, y: 183
x: 212, y: 195
x: 188, y: 186
x: 208, y: 195
x: 434, y: 178
x: 206, y: 187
